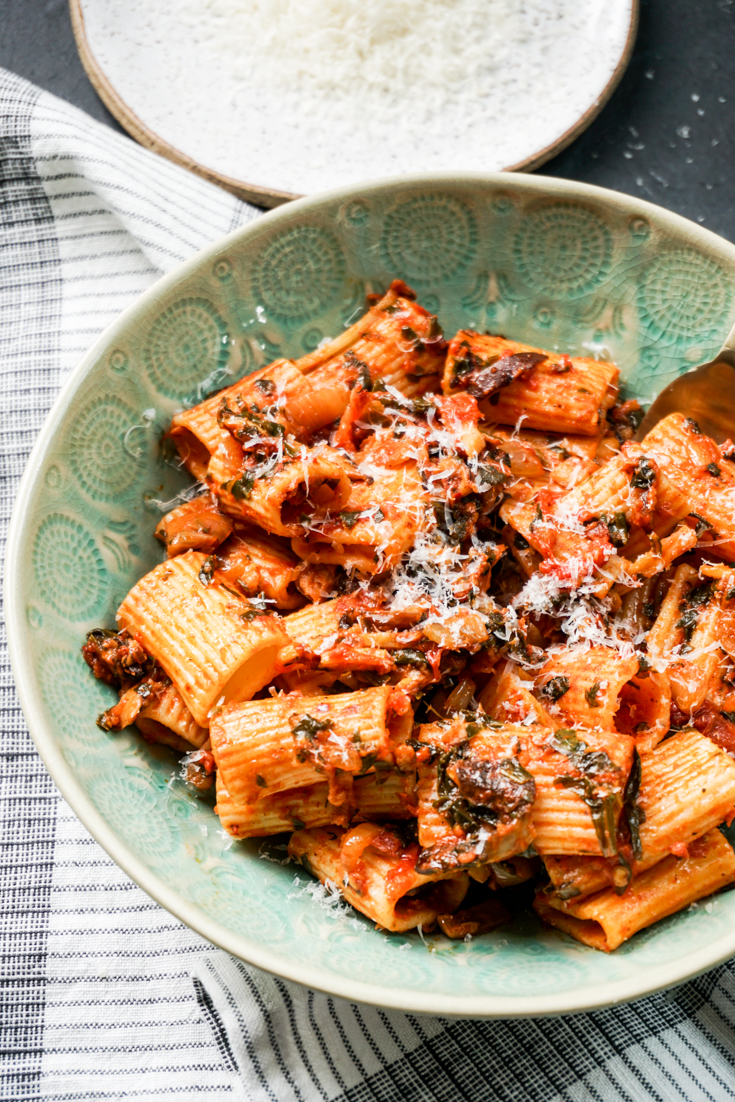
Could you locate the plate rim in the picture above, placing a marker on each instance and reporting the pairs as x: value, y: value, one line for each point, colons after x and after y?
x: 272, y: 197
x: 240, y: 945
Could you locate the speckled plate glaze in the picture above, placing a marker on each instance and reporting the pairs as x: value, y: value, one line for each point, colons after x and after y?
x: 254, y: 140
x: 566, y: 265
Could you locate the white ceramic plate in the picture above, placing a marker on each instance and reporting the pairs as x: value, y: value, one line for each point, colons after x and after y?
x: 176, y: 74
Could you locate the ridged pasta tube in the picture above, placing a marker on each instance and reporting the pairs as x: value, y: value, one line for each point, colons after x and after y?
x: 213, y: 645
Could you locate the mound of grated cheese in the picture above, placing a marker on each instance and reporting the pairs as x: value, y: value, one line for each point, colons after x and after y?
x: 428, y: 51
x: 402, y: 81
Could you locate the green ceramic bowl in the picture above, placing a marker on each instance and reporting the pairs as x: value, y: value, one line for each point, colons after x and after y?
x: 560, y: 264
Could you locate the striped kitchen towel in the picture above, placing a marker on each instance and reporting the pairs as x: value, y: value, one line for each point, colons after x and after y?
x: 290, y: 1043
x: 96, y: 999
x: 104, y: 995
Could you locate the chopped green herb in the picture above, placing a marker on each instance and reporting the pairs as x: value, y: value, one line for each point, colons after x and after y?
x: 254, y: 421
x: 556, y: 687
x: 349, y: 518
x: 469, y: 362
x: 480, y: 723
x: 560, y: 450
x: 490, y: 476
x: 487, y: 793
x: 412, y: 337
x: 617, y: 527
x: 694, y: 600
x: 410, y: 657
x: 273, y: 428
x: 592, y: 694
x: 602, y: 810
x: 643, y: 666
x: 633, y: 813
x: 702, y: 595
x: 496, y: 628
x: 261, y: 781
x: 644, y: 475
x: 591, y: 762
x: 253, y: 607
x: 362, y: 369
x: 688, y: 622
x: 368, y: 762
x: 241, y: 488
x: 702, y: 524
x: 308, y: 727
x: 714, y: 470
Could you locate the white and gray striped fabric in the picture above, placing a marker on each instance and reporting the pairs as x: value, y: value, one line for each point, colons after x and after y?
x: 104, y: 995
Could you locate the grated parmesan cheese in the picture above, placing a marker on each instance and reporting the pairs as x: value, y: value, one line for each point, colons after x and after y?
x: 328, y: 897
x: 303, y: 94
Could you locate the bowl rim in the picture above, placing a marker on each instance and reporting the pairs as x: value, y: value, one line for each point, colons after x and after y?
x: 240, y: 945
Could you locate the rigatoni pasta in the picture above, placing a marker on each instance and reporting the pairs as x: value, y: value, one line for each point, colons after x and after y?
x: 264, y: 747
x: 374, y: 868
x: 213, y: 644
x: 513, y: 380
x: 608, y: 918
x: 435, y: 614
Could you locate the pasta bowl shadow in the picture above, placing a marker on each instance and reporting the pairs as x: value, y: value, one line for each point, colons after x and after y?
x: 563, y: 265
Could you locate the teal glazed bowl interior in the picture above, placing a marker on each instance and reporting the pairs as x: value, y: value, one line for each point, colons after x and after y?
x: 563, y: 265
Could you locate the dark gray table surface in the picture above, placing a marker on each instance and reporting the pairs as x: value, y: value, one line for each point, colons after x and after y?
x: 665, y: 135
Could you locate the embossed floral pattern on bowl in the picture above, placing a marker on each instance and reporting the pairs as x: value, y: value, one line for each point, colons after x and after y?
x: 563, y: 265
